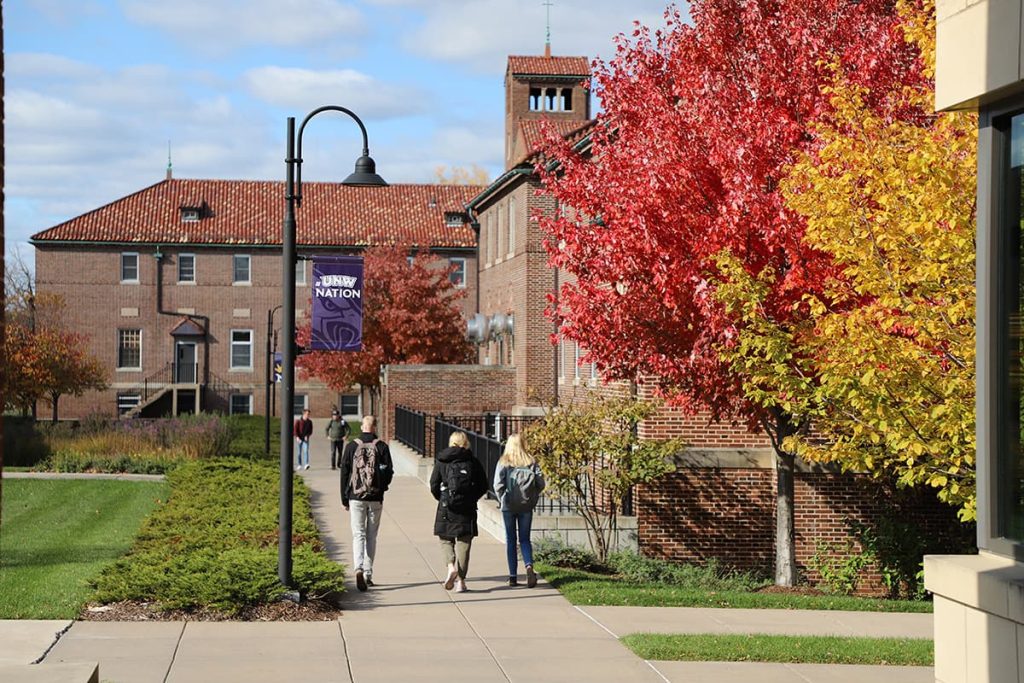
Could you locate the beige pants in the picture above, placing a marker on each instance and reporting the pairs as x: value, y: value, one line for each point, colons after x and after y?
x: 456, y: 551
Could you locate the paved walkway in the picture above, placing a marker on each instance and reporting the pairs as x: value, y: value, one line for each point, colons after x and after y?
x: 409, y: 628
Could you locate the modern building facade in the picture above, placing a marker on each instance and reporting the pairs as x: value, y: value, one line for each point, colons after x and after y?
x: 176, y: 286
x: 979, y: 599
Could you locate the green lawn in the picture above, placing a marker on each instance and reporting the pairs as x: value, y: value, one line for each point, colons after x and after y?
x: 586, y: 588
x: 790, y: 649
x: 58, y: 534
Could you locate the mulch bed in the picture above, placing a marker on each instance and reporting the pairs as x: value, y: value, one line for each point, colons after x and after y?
x: 310, y: 610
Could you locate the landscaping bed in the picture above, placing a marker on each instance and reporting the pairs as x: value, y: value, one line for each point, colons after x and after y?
x: 628, y: 579
x: 210, y: 552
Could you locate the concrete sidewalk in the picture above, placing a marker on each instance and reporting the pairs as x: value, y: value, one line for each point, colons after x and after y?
x: 408, y: 627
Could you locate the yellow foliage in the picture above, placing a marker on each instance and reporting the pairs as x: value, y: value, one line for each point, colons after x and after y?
x: 892, y: 200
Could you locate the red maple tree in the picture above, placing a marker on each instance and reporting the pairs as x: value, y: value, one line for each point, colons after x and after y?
x: 700, y: 122
x: 411, y: 314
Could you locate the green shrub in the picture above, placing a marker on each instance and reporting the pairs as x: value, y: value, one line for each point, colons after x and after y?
x: 248, y: 437
x: 69, y: 461
x: 214, y: 543
x: 710, y: 576
x: 24, y: 444
x: 556, y: 553
x: 839, y: 567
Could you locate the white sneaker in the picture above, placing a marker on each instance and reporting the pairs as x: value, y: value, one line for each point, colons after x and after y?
x: 307, y: 467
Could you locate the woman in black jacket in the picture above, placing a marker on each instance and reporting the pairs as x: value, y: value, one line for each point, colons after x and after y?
x: 457, y: 483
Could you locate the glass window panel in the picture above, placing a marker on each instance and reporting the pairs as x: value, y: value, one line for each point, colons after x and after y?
x: 1010, y: 467
x: 186, y: 268
x: 241, y: 268
x: 241, y: 349
x: 458, y: 275
x: 241, y: 404
x: 129, y: 267
x: 129, y: 349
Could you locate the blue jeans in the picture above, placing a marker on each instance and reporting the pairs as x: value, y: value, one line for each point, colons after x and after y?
x: 303, y: 452
x: 518, y: 522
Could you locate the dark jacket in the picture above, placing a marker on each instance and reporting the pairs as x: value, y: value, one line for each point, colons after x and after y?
x: 384, y: 462
x: 303, y: 429
x: 336, y: 429
x: 453, y: 523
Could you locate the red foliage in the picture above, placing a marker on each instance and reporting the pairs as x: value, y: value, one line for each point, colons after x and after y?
x: 700, y: 122
x: 410, y: 315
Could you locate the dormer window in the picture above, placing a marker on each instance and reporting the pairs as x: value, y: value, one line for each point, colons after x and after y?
x: 454, y: 219
x: 190, y: 214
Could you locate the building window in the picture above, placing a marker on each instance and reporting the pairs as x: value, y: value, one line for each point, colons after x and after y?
x: 130, y: 268
x: 458, y: 274
x: 550, y: 99
x: 186, y: 268
x: 300, y: 273
x: 535, y: 103
x: 576, y: 361
x: 189, y: 215
x: 241, y: 404
x: 454, y: 219
x: 129, y: 349
x: 241, y: 349
x: 350, y: 405
x: 240, y: 269
x: 127, y: 401
x: 300, y: 403
x: 593, y: 372
x: 511, y: 225
x: 566, y: 99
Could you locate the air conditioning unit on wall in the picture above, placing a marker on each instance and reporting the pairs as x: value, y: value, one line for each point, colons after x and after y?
x: 476, y: 329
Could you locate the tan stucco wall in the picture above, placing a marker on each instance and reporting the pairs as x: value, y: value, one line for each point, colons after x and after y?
x: 978, y: 52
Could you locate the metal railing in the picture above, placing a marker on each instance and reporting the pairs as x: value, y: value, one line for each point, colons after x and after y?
x: 494, y: 425
x: 411, y: 428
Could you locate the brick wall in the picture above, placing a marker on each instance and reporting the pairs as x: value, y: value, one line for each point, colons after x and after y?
x: 449, y: 389
x: 88, y: 279
x: 696, y: 514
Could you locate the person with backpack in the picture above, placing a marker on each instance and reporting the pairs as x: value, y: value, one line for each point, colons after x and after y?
x: 366, y: 473
x: 302, y: 430
x: 457, y: 483
x: 518, y: 483
x: 337, y: 432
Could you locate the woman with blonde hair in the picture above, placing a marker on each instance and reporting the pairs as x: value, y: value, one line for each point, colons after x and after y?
x: 457, y: 483
x: 518, y: 483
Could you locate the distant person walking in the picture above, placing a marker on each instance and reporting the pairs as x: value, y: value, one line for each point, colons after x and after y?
x: 303, y: 430
x: 366, y: 473
x: 337, y: 432
x: 457, y: 483
x: 518, y: 483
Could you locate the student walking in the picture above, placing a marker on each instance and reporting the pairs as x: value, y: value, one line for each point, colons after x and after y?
x: 457, y: 483
x: 518, y: 483
x: 337, y: 432
x: 366, y: 473
x: 303, y: 430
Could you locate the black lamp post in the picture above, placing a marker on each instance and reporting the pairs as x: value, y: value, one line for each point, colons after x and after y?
x: 364, y: 175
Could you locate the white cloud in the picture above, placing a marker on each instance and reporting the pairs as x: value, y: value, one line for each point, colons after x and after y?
x: 227, y: 24
x: 32, y: 65
x: 463, y: 30
x: 304, y: 89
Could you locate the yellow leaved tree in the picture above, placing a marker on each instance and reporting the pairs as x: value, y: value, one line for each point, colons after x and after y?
x: 884, y: 366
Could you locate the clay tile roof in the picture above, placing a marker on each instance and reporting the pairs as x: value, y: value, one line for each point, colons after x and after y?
x: 550, y: 66
x: 251, y: 212
x: 573, y: 131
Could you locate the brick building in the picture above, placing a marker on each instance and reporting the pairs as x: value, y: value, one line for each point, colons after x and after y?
x: 173, y: 285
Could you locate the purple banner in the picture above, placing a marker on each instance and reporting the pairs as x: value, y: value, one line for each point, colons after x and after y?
x: 337, y: 303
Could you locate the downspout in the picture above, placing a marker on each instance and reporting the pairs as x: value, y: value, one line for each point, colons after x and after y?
x: 160, y: 311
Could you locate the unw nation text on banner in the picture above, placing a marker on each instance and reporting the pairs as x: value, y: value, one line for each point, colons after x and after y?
x: 337, y: 303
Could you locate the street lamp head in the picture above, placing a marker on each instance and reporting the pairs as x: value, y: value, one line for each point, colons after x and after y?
x: 365, y: 174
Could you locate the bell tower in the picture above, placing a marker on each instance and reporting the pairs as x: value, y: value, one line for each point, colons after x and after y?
x: 543, y: 87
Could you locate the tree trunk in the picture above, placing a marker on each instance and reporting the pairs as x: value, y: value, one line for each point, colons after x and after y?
x: 56, y: 397
x: 785, y: 550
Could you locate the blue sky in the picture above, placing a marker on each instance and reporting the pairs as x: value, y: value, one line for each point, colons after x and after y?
x: 95, y: 89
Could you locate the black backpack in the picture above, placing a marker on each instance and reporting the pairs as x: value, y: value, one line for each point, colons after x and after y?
x: 459, y: 488
x: 365, y: 480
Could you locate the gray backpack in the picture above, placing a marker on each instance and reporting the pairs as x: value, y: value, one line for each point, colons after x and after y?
x: 365, y: 480
x: 522, y: 489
